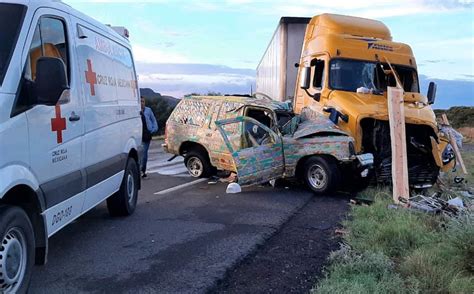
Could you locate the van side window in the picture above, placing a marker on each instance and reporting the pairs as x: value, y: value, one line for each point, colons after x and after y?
x: 230, y: 110
x: 191, y: 112
x: 49, y: 40
x: 318, y: 73
x: 263, y: 116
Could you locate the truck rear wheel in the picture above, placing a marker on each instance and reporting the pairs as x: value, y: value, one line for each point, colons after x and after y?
x: 124, y: 202
x: 17, y: 250
x: 198, y: 164
x: 321, y: 174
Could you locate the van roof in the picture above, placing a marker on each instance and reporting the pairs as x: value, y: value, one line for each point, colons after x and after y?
x: 272, y: 104
x: 58, y: 4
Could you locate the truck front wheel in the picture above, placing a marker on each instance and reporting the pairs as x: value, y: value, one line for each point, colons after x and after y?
x: 17, y: 250
x: 321, y: 174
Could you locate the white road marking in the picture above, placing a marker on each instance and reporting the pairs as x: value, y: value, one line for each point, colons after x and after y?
x: 175, y: 188
x: 172, y: 170
x: 159, y: 164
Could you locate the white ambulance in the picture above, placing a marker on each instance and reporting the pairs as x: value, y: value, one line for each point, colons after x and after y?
x: 70, y: 128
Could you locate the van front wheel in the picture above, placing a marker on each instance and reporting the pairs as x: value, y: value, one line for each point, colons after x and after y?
x: 124, y: 202
x: 198, y: 165
x: 17, y: 250
x: 321, y: 174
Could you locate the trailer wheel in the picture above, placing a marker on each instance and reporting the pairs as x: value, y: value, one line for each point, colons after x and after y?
x: 321, y: 174
x: 17, y: 250
x: 198, y: 164
x: 124, y: 202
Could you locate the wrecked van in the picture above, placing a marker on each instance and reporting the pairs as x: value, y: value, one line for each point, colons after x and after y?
x: 261, y: 140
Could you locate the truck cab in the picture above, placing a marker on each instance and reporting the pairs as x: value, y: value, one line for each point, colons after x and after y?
x: 344, y: 71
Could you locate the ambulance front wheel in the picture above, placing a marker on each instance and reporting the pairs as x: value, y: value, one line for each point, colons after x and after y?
x: 17, y: 250
x: 124, y: 202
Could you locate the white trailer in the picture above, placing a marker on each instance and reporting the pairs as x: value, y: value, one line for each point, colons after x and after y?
x: 276, y: 72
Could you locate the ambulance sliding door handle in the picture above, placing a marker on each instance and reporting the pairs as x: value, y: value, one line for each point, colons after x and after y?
x: 74, y: 117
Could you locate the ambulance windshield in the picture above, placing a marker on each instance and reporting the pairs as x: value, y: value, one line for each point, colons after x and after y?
x: 11, y: 18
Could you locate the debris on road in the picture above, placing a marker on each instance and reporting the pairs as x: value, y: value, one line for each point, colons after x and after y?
x: 434, y: 204
x: 457, y: 202
x: 233, y: 188
x: 342, y: 232
x: 361, y: 201
x: 230, y: 179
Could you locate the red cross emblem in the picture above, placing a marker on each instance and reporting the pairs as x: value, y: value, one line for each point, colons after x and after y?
x: 91, y: 77
x: 58, y: 124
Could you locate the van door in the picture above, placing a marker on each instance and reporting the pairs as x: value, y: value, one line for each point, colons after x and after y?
x: 102, y: 78
x: 220, y: 156
x: 260, y: 156
x: 55, y: 132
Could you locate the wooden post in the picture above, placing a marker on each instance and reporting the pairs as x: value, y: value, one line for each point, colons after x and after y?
x: 396, y: 115
x: 452, y: 140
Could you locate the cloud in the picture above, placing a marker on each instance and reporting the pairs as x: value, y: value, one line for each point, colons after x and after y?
x: 154, y: 55
x: 191, y: 69
x: 450, y: 3
x: 362, y: 8
x: 434, y: 61
x: 180, y: 79
x: 450, y: 92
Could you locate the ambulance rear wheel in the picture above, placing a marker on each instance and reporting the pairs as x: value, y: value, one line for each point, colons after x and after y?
x: 124, y: 202
x: 17, y: 250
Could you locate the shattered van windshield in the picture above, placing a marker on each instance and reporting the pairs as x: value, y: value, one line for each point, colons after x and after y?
x: 11, y: 18
x: 349, y: 75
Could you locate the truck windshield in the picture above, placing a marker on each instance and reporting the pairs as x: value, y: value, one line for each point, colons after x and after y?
x: 11, y: 18
x: 349, y: 75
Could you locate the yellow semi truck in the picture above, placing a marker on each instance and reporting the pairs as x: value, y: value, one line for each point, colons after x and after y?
x: 342, y: 66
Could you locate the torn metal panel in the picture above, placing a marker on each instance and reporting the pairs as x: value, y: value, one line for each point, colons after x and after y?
x: 322, y: 126
x: 296, y: 149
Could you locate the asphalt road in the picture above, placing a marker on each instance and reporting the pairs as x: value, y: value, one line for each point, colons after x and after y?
x: 179, y: 241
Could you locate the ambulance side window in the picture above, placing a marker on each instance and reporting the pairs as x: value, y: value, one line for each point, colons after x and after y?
x: 49, y: 40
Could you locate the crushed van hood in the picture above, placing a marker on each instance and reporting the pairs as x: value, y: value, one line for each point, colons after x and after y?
x: 317, y: 125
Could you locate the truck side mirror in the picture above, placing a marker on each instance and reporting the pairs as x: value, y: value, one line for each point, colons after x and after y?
x: 51, y: 80
x: 431, y: 93
x: 305, y: 78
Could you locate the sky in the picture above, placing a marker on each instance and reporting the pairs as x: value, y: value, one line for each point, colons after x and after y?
x: 182, y: 47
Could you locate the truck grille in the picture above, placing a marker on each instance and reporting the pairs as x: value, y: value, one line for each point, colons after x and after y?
x: 419, y: 174
x: 422, y: 170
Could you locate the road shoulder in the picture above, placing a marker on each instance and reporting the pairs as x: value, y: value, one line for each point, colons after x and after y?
x: 293, y: 258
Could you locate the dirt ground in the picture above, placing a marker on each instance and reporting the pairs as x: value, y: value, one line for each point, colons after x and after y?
x: 292, y: 260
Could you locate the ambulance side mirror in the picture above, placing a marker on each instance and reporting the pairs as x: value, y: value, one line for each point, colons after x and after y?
x: 51, y: 80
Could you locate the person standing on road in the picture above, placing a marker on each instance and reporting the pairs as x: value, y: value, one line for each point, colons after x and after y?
x: 149, y: 126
